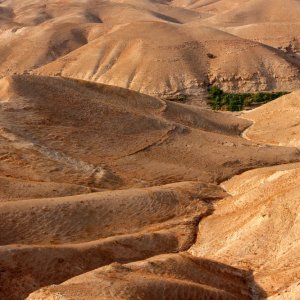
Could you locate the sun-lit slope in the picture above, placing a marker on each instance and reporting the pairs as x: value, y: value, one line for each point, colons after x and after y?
x: 277, y: 122
x: 284, y: 36
x: 210, y: 7
x: 15, y: 189
x: 42, y: 32
x: 258, y: 227
x: 33, y: 12
x: 155, y: 48
x: 89, y: 217
x: 175, y: 276
x: 72, y: 235
x: 165, y: 59
x: 27, y: 48
x: 60, y: 130
x: 258, y: 11
x: 76, y: 137
x: 32, y: 32
x: 151, y: 57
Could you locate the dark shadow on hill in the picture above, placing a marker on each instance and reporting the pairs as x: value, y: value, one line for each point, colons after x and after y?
x: 166, y: 18
x: 238, y: 282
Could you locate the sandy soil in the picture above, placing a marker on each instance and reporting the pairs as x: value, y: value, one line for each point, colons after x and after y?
x: 109, y: 193
x: 136, y: 199
x: 164, y: 48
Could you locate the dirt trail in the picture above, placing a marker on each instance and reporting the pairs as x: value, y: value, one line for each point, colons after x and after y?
x: 97, y: 172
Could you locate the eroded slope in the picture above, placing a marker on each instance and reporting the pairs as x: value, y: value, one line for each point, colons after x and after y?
x: 159, y: 48
x: 276, y: 123
x: 65, y: 134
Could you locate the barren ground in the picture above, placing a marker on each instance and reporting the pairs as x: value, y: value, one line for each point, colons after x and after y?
x: 108, y: 190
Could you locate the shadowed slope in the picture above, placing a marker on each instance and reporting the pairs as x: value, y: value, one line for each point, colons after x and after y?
x: 153, y: 47
x: 70, y: 131
x: 167, y: 59
x: 79, y: 135
x: 80, y: 233
x: 178, y: 276
x: 260, y: 227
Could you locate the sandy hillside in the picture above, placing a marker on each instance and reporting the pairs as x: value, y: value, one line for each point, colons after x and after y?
x: 260, y: 218
x: 61, y: 137
x: 187, y: 59
x: 43, y: 122
x: 276, y: 123
x: 260, y: 227
x: 283, y: 36
x: 110, y: 189
x: 172, y: 276
x: 257, y: 11
x: 246, y: 247
x: 158, y: 48
x: 273, y: 23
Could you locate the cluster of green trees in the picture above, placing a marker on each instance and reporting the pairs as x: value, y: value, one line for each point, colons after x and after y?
x: 219, y: 100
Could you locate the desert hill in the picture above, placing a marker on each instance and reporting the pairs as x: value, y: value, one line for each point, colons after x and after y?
x: 284, y: 36
x: 260, y: 227
x: 92, y: 195
x: 261, y: 215
x: 117, y: 181
x: 182, y: 62
x: 253, y: 230
x: 174, y: 276
x: 257, y: 11
x: 211, y: 7
x: 276, y: 123
x: 273, y: 23
x: 43, y: 122
x: 158, y: 48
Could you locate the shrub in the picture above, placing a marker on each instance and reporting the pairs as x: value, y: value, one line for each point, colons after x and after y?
x: 220, y: 100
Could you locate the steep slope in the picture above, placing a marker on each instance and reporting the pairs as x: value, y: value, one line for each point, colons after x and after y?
x: 258, y: 11
x: 176, y: 276
x: 45, y: 125
x: 260, y: 220
x: 260, y: 227
x: 79, y: 137
x: 276, y: 123
x: 156, y: 48
x: 167, y: 59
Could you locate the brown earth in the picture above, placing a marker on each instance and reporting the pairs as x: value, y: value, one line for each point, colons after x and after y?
x: 108, y: 193
x: 276, y: 123
x: 164, y: 48
x: 61, y: 137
